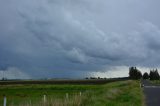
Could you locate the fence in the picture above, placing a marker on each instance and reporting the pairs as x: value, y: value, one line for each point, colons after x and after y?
x: 44, y: 99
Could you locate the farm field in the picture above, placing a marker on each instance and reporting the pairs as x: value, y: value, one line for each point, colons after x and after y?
x: 119, y: 93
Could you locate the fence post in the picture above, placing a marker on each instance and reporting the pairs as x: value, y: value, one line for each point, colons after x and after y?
x: 44, y: 98
x: 5, y: 101
x: 30, y: 103
x: 66, y: 95
x: 80, y: 93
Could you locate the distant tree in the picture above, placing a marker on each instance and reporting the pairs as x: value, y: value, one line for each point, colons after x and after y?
x: 134, y: 73
x: 154, y: 75
x: 145, y: 75
x: 86, y: 78
x: 131, y: 72
x: 93, y: 78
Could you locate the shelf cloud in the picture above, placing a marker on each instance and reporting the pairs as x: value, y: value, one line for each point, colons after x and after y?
x: 72, y: 38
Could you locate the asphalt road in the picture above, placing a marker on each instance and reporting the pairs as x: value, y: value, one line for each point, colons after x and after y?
x: 152, y: 93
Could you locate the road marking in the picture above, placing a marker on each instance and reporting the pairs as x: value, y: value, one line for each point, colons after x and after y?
x: 151, y: 86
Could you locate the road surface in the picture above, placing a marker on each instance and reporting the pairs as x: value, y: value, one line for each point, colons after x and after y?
x: 152, y: 93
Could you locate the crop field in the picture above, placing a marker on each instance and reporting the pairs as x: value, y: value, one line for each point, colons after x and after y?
x: 117, y: 93
x: 58, y: 81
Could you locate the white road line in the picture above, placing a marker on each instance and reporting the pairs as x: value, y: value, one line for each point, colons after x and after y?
x: 151, y: 86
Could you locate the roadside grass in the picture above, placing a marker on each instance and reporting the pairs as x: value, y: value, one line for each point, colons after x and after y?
x: 157, y: 82
x: 120, y: 93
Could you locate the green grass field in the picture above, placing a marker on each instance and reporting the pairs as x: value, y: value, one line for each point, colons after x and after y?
x: 157, y: 82
x: 120, y: 93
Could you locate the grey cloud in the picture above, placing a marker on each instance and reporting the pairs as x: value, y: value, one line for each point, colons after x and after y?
x: 80, y: 36
x: 13, y: 73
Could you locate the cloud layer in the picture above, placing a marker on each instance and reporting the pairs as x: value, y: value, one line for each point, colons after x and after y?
x: 54, y: 38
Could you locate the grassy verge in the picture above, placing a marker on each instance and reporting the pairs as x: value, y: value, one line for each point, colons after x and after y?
x: 157, y: 82
x: 120, y: 93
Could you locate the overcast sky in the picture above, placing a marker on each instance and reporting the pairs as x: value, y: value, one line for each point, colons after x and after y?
x: 75, y: 38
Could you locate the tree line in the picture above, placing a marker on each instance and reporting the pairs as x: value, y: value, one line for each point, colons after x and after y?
x: 134, y: 73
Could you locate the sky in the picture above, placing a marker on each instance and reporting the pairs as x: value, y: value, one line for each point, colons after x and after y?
x: 78, y: 38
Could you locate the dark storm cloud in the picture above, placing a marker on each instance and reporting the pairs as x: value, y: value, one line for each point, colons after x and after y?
x: 47, y: 37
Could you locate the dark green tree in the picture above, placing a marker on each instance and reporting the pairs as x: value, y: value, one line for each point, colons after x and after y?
x: 145, y: 75
x: 134, y: 73
x: 154, y: 75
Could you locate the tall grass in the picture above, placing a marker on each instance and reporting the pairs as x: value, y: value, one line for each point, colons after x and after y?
x: 120, y: 93
x: 74, y: 100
